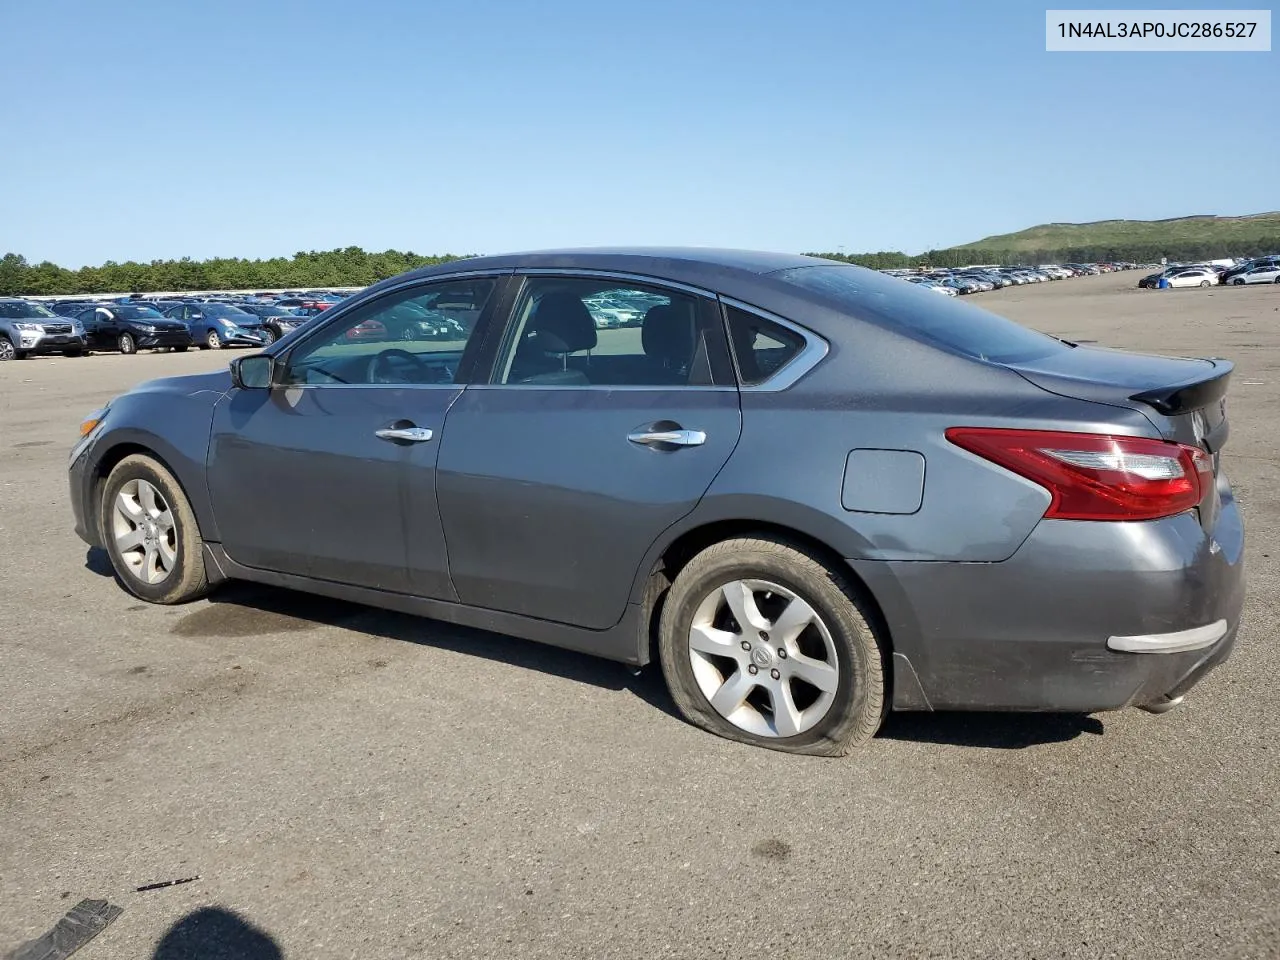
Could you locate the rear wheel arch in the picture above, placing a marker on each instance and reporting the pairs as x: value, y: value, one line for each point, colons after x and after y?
x: 677, y: 554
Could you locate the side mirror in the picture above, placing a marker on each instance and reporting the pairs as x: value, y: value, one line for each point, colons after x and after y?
x: 253, y: 372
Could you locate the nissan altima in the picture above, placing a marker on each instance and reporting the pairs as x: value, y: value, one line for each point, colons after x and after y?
x: 808, y: 492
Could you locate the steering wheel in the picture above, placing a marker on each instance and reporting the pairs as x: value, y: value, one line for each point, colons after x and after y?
x: 382, y: 370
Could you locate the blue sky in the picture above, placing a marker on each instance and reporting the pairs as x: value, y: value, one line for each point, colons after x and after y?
x: 146, y: 129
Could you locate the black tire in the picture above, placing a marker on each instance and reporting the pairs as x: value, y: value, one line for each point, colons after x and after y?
x: 860, y: 698
x: 127, y: 344
x: 269, y: 336
x: 212, y: 340
x: 1204, y: 283
x: 73, y: 353
x: 7, y: 350
x: 1237, y: 281
x: 188, y: 580
x: 179, y: 349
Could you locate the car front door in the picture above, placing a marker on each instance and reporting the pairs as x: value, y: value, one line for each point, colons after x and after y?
x: 589, y: 440
x: 313, y: 477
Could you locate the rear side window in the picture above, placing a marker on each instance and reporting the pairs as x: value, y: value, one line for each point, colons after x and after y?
x: 921, y: 313
x: 760, y: 347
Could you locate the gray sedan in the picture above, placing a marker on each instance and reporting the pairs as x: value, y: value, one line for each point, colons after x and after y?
x: 809, y: 492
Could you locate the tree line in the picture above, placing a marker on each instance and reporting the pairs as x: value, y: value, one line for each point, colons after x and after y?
x: 354, y: 267
x: 348, y: 267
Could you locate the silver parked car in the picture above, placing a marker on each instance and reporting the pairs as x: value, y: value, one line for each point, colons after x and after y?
x: 810, y: 492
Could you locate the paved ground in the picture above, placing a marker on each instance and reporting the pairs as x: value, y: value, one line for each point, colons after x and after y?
x: 349, y: 783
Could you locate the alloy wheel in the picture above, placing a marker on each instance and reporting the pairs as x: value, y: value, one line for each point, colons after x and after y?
x: 127, y: 344
x: 145, y: 535
x: 213, y: 341
x: 7, y: 352
x: 268, y: 336
x: 763, y: 658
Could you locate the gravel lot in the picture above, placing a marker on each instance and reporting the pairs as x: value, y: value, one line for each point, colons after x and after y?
x: 351, y: 783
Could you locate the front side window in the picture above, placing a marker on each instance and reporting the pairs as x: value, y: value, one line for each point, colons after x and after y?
x: 578, y: 332
x: 404, y: 338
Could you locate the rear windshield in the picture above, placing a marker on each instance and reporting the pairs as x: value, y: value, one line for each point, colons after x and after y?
x: 922, y: 313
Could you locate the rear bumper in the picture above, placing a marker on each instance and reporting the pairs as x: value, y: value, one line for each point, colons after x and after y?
x: 1084, y: 617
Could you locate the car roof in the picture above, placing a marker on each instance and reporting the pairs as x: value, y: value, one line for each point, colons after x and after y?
x: 675, y: 263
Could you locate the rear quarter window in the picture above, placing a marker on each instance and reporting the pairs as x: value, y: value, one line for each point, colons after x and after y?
x: 919, y: 312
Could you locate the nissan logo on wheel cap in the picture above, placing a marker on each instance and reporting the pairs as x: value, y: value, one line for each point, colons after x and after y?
x: 762, y: 656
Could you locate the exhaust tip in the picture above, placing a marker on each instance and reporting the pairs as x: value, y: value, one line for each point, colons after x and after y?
x: 1161, y: 705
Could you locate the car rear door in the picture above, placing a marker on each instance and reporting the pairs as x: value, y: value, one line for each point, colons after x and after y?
x: 557, y: 475
x: 330, y: 474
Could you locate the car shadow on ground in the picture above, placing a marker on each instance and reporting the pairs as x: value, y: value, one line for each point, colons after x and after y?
x: 215, y: 932
x: 1002, y: 731
x: 246, y: 609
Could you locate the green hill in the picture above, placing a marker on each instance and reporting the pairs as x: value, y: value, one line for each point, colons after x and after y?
x: 1229, y: 232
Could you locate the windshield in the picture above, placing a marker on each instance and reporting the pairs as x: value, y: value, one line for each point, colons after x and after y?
x: 266, y: 309
x: 20, y: 310
x: 136, y: 313
x: 960, y: 327
x: 223, y: 310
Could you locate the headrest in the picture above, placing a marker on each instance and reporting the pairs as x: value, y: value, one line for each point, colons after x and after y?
x: 668, y: 333
x: 563, y: 324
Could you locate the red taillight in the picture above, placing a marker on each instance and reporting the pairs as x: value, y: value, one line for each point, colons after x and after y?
x: 1095, y: 476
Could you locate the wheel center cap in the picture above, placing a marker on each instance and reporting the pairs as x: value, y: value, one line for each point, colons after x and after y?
x: 761, y: 656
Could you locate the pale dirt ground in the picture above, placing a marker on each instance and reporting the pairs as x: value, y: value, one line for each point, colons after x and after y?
x: 360, y: 784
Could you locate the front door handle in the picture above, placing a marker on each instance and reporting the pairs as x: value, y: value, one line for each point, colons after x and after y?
x: 670, y: 438
x: 404, y: 434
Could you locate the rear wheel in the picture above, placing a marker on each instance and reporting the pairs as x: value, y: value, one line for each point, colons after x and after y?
x: 762, y: 643
x: 151, y: 533
x: 1204, y: 283
x: 212, y: 340
x: 127, y: 344
x: 179, y: 349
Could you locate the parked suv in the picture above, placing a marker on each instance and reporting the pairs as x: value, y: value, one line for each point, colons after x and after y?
x: 27, y: 328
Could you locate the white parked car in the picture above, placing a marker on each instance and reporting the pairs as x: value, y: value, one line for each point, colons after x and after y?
x: 1193, y: 278
x: 1264, y: 273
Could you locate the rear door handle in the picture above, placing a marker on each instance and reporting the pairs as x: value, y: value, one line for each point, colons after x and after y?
x: 673, y: 438
x: 404, y: 434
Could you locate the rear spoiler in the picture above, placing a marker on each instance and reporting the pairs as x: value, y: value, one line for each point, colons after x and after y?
x: 1184, y: 397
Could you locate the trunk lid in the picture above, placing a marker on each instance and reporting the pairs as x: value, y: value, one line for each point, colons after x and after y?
x: 1184, y: 398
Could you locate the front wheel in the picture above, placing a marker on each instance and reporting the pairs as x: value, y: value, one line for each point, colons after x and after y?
x: 179, y: 349
x: 212, y: 340
x: 763, y: 644
x: 151, y: 533
x: 7, y: 350
x: 268, y: 337
x: 1238, y: 282
x: 127, y: 344
x: 73, y: 353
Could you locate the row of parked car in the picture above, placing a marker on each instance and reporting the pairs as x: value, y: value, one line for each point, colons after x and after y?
x: 74, y: 327
x: 963, y: 280
x: 1256, y: 270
